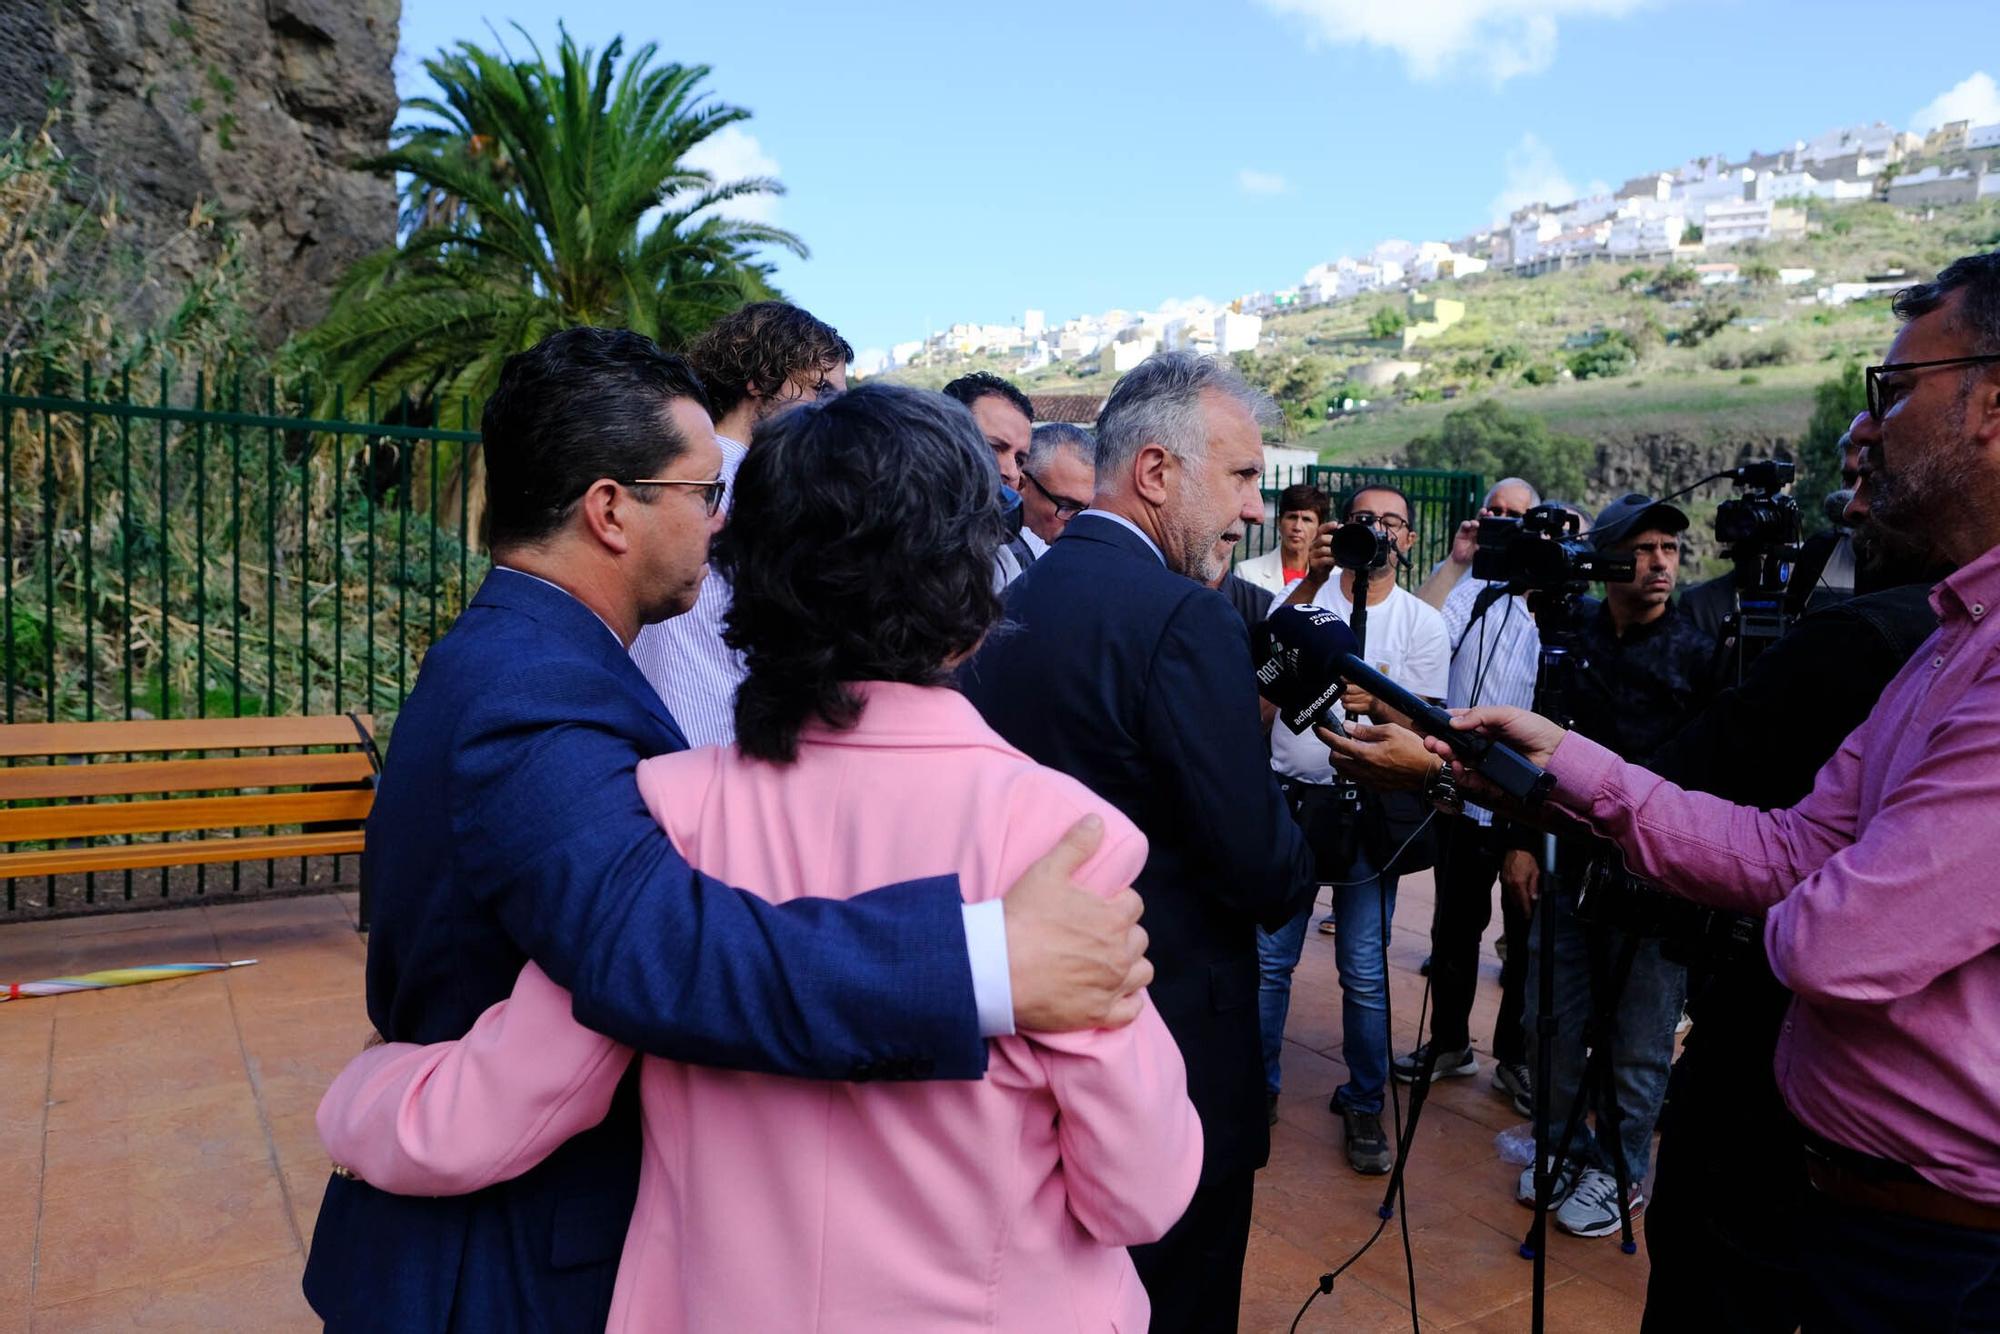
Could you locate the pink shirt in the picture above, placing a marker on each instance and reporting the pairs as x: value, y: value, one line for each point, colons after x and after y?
x: 1883, y: 891
x: 785, y: 1204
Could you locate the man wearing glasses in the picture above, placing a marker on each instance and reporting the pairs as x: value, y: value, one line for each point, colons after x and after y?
x: 1406, y: 640
x: 1057, y: 481
x: 752, y: 363
x: 1878, y: 888
x: 1494, y: 651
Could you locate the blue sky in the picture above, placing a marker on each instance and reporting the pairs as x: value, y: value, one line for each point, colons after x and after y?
x: 950, y: 162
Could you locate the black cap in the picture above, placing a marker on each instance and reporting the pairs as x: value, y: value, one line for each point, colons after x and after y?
x: 1632, y: 514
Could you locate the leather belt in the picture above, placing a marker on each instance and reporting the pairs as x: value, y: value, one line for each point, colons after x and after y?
x: 1911, y: 1198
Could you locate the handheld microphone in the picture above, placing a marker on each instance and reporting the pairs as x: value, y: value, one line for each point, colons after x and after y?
x: 1305, y: 655
x: 1835, y: 506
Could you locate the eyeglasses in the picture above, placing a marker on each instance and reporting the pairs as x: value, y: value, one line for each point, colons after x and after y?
x: 712, y: 491
x: 1065, y: 507
x: 1873, y: 375
x: 1388, y: 523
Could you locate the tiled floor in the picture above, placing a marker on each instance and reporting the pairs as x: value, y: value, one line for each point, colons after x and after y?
x: 160, y: 1171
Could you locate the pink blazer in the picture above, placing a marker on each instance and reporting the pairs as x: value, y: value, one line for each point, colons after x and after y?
x: 768, y: 1203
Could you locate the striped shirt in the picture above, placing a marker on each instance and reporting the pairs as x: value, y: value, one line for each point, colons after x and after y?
x: 685, y: 660
x: 1493, y: 659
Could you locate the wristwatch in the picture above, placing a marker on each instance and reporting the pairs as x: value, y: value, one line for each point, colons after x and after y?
x: 1441, y: 790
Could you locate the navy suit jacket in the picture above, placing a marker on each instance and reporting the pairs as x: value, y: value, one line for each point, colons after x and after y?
x: 507, y: 827
x: 1137, y: 682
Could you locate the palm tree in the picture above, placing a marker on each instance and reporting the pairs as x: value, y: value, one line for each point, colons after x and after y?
x: 536, y: 198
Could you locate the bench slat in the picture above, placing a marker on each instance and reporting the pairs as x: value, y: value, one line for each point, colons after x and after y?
x: 139, y: 856
x: 54, y: 781
x: 22, y: 740
x: 85, y: 820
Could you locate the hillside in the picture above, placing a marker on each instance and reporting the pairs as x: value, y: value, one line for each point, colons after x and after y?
x: 1664, y: 377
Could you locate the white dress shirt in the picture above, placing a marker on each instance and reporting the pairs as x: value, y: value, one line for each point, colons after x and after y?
x: 684, y: 658
x: 1494, y: 658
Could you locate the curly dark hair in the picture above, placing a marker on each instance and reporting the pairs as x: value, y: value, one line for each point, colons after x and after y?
x: 755, y: 350
x: 969, y: 389
x: 581, y: 404
x: 860, y: 547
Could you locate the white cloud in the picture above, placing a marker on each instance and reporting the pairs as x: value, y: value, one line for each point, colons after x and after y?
x: 1253, y: 182
x: 1501, y: 38
x: 1975, y: 98
x: 733, y: 154
x: 1534, y: 177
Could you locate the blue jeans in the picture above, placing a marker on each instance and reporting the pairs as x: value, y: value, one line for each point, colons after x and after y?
x: 1642, y: 1051
x: 1359, y: 914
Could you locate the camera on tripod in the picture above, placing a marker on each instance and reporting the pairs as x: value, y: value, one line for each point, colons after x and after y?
x: 1759, y: 529
x: 1542, y: 551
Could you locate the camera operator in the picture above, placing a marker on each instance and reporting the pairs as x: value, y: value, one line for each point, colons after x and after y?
x: 1730, y: 1182
x: 1878, y: 887
x: 1494, y: 649
x: 1644, y: 669
x: 1354, y: 834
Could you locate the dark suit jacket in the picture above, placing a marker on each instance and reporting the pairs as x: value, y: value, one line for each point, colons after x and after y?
x: 508, y: 826
x: 1138, y: 683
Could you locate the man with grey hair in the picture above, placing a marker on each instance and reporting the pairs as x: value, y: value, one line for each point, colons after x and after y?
x: 1057, y: 480
x: 1129, y: 674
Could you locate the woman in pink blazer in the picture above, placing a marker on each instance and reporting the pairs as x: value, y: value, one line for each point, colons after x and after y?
x: 860, y: 552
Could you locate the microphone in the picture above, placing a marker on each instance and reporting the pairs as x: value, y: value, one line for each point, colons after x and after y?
x: 1836, y: 504
x: 1305, y: 654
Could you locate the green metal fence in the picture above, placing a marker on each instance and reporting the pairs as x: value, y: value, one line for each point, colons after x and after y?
x: 1439, y: 502
x: 189, y: 550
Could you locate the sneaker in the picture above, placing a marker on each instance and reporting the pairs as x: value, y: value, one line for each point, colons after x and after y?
x: 1368, y: 1149
x: 1592, y: 1208
x: 1513, y: 1079
x: 1450, y: 1064
x: 1326, y: 925
x: 1524, y: 1190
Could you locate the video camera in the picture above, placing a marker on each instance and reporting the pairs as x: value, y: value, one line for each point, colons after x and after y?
x: 1357, y: 546
x: 1762, y: 522
x: 1542, y: 552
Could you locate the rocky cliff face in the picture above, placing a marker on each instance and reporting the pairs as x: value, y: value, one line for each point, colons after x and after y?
x: 256, y: 108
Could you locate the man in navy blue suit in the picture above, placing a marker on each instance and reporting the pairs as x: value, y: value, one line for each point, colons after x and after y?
x: 1122, y: 669
x: 508, y: 827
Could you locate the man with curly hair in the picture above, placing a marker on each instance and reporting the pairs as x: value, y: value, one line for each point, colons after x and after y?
x: 752, y: 363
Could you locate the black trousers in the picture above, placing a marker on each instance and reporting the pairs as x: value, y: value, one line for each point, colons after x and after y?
x: 1723, y: 1219
x: 1470, y: 864
x: 1194, y: 1274
x: 1879, y: 1273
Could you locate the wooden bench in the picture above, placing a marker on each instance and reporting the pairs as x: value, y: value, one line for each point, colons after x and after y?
x: 67, y: 796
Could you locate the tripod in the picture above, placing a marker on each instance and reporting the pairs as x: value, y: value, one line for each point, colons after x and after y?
x: 1556, y: 619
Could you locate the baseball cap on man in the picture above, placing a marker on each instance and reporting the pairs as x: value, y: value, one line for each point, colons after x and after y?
x: 1632, y: 514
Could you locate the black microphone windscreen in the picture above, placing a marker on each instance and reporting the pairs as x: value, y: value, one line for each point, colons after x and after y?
x: 1836, y: 506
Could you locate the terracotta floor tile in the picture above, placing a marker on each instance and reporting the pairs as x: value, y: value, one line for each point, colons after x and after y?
x: 1278, y: 1277
x: 151, y: 1228
x: 1576, y: 1305
x: 214, y: 1130
x: 24, y: 1089
x: 262, y: 1295
x: 140, y: 1077
x: 20, y: 1189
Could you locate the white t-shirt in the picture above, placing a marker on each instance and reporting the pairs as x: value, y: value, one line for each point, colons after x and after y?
x: 1405, y: 641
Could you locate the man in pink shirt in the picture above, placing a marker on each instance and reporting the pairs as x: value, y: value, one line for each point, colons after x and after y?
x: 1878, y: 889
